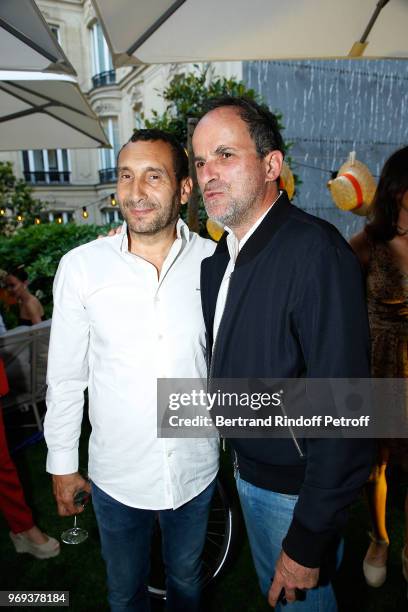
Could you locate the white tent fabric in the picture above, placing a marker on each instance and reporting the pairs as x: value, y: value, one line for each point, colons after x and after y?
x: 163, y: 31
x: 45, y: 111
x: 26, y: 41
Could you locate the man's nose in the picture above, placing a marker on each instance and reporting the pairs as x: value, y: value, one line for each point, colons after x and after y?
x: 138, y: 191
x: 207, y: 173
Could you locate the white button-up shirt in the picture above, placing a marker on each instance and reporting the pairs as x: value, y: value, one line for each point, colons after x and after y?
x: 116, y: 328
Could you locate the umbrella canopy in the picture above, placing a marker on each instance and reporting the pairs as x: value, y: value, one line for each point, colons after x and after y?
x: 191, y: 30
x: 45, y: 111
x: 26, y: 41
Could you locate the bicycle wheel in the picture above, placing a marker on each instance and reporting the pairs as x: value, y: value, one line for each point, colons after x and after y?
x: 222, y: 531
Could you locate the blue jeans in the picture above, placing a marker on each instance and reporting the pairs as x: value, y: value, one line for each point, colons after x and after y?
x: 125, y: 534
x: 267, y: 518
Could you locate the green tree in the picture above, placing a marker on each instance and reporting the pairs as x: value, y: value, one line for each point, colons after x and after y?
x: 18, y: 208
x: 187, y: 94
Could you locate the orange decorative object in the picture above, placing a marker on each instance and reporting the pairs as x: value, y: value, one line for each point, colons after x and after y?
x: 214, y: 229
x: 6, y: 298
x: 287, y: 181
x: 354, y: 187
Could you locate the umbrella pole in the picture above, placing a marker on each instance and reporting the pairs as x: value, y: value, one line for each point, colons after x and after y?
x: 359, y: 47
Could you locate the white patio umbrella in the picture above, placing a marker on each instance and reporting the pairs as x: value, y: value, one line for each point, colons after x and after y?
x: 26, y: 41
x: 161, y: 31
x: 45, y: 111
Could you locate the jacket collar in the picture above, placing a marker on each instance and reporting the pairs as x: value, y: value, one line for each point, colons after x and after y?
x: 275, y: 218
x: 213, y: 268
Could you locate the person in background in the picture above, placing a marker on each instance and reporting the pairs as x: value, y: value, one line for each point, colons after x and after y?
x: 382, y: 248
x: 29, y: 306
x: 25, y: 535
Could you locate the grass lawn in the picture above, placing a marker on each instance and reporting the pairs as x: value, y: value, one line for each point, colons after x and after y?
x: 80, y: 569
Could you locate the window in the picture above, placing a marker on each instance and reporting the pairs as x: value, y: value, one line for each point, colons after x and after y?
x: 137, y: 114
x: 102, y: 67
x: 107, y: 157
x: 60, y: 216
x: 111, y: 215
x: 46, y: 166
x: 56, y: 31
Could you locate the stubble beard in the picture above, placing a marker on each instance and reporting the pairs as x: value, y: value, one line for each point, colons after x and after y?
x: 163, y: 218
x: 237, y: 210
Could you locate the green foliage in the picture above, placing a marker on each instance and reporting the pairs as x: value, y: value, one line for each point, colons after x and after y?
x: 187, y: 94
x: 39, y: 248
x: 16, y: 196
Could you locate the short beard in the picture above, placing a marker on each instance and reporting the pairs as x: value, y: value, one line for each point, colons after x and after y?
x: 163, y: 219
x: 237, y: 213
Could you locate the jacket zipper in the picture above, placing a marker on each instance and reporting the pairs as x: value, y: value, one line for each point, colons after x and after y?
x: 210, y: 376
x: 295, y: 442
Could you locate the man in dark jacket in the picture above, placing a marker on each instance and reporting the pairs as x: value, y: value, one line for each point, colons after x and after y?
x: 282, y: 298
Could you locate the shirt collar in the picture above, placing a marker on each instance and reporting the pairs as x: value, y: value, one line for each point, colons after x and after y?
x: 182, y: 231
x: 235, y: 245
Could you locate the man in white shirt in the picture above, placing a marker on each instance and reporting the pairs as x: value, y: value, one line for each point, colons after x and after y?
x: 127, y: 311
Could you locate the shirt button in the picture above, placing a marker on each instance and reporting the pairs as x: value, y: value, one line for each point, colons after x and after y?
x: 169, y: 453
x: 156, y: 299
x: 160, y: 336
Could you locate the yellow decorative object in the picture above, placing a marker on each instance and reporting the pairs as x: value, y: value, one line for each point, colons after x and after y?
x: 214, y: 229
x: 354, y: 187
x: 287, y: 181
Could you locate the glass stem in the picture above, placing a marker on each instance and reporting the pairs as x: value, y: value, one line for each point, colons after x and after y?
x: 75, y: 516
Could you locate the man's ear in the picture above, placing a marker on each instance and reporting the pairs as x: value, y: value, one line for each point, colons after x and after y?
x: 273, y: 165
x: 186, y: 188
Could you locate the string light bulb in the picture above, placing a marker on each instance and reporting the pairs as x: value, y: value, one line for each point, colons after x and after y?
x: 37, y: 221
x: 59, y: 220
x: 2, y: 211
x: 20, y: 217
x: 113, y: 199
x: 85, y: 213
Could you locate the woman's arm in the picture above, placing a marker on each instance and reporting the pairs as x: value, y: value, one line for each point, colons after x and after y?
x: 34, y: 310
x: 361, y: 247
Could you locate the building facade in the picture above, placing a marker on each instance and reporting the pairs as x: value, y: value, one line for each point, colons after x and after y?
x: 78, y: 184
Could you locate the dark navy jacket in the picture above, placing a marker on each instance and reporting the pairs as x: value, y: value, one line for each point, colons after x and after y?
x: 295, y: 308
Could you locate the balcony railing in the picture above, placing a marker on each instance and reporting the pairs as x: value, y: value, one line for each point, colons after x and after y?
x: 53, y: 176
x: 104, y: 78
x: 108, y: 175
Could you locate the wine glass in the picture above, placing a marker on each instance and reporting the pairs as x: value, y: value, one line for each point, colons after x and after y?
x: 76, y: 535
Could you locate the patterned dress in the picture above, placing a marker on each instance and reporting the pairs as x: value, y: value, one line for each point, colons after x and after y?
x: 387, y: 297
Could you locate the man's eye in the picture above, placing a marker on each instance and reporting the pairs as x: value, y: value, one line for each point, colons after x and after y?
x: 125, y: 176
x: 154, y: 177
x: 226, y: 155
x: 199, y: 164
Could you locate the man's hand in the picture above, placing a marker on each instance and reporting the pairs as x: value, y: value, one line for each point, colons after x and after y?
x: 65, y: 488
x: 289, y: 576
x: 112, y: 232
